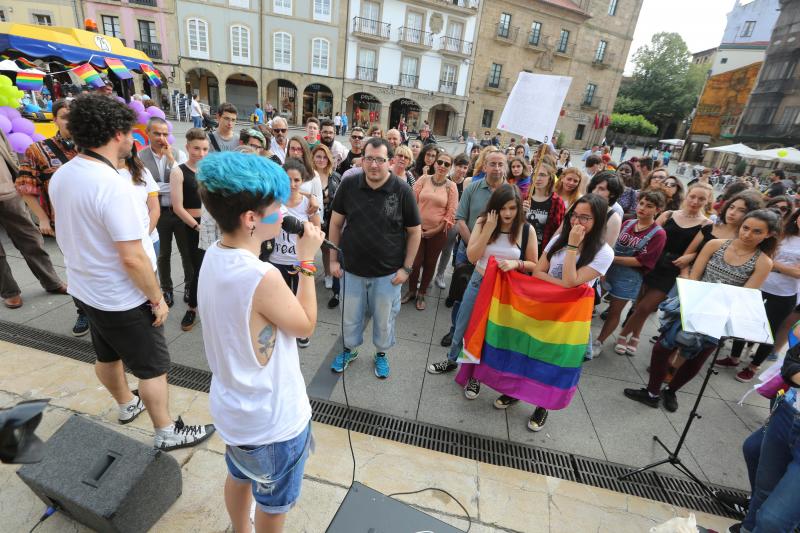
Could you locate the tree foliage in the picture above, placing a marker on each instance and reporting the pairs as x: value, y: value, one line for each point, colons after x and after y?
x: 665, y: 83
x: 633, y: 124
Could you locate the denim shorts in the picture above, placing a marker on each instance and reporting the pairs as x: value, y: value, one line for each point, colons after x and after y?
x: 275, y: 470
x: 623, y: 283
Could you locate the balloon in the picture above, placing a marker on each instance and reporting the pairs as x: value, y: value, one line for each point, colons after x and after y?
x: 154, y: 111
x: 142, y: 117
x: 22, y: 125
x: 170, y: 139
x: 120, y: 99
x: 5, y: 124
x: 19, y: 142
x: 5, y: 81
x: 38, y: 137
x: 783, y: 153
x: 10, y: 112
x: 136, y: 106
x: 169, y: 127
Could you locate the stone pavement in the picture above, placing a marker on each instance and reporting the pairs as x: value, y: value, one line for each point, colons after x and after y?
x: 497, y: 498
x: 600, y: 423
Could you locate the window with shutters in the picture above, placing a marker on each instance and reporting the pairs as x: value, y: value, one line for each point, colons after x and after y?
x: 240, y: 44
x: 282, y: 51
x: 320, y: 52
x: 197, y: 32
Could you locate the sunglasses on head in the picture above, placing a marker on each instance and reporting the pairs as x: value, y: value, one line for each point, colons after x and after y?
x: 443, y: 163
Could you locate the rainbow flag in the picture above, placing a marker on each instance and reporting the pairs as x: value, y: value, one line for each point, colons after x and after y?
x: 527, y: 337
x: 152, y: 77
x: 118, y: 68
x: 88, y: 75
x: 25, y: 62
x: 29, y: 81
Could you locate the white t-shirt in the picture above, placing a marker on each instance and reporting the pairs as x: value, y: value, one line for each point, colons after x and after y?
x: 314, y: 186
x: 285, y: 251
x: 143, y: 191
x: 96, y: 208
x: 197, y: 111
x: 602, y: 260
x: 781, y: 284
x: 250, y: 404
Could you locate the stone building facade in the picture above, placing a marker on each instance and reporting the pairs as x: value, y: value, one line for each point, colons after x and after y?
x: 588, y: 40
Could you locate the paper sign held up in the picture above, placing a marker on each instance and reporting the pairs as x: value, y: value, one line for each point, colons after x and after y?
x: 534, y: 105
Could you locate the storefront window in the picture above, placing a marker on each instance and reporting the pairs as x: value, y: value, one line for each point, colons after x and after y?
x: 366, y: 110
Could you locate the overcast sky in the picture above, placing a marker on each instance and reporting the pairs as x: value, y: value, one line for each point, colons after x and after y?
x: 700, y: 23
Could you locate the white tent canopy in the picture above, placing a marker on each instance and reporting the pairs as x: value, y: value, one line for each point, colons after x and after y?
x: 789, y: 156
x: 738, y: 149
x: 9, y: 66
x: 672, y: 142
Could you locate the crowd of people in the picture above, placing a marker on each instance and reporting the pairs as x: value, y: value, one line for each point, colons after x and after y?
x: 398, y: 212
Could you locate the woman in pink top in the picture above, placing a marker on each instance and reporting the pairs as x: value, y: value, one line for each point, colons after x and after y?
x: 437, y: 198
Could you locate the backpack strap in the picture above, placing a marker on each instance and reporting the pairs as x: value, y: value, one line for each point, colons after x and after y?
x: 526, y: 230
x: 214, y: 143
x: 56, y: 150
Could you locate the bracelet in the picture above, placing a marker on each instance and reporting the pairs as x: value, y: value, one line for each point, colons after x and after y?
x: 521, y: 265
x: 308, y: 265
x: 571, y: 247
x: 304, y: 271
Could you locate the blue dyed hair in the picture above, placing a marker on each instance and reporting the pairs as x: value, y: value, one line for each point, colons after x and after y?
x: 232, y: 183
x: 229, y: 173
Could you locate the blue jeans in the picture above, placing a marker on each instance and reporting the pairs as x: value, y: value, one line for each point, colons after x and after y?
x: 366, y: 298
x: 464, y: 313
x: 197, y: 122
x: 775, y: 504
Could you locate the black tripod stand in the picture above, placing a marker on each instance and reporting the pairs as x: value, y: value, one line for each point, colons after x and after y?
x: 673, y: 456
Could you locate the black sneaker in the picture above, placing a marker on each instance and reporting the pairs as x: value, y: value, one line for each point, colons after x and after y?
x: 604, y: 315
x: 654, y: 339
x: 183, y: 436
x: 333, y: 302
x: 740, y: 504
x: 188, y: 321
x: 442, y: 367
x: 504, y: 402
x: 537, y: 420
x: 447, y: 340
x: 169, y: 298
x: 81, y: 326
x: 642, y: 396
x: 670, y: 400
x: 448, y: 302
x: 735, y: 528
x: 472, y: 389
x: 303, y: 343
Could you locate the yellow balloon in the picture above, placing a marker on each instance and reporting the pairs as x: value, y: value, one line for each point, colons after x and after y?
x: 5, y: 81
x: 783, y: 153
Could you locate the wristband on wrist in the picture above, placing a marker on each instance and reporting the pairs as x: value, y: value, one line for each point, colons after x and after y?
x: 408, y: 270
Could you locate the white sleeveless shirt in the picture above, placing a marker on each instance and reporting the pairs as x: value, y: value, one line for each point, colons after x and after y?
x: 250, y: 404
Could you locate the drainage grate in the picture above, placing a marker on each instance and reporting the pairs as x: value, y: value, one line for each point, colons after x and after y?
x: 652, y: 485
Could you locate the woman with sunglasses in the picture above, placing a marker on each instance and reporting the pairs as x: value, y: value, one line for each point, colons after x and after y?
x: 681, y: 227
x: 780, y: 291
x: 425, y: 160
x: 458, y: 174
x: 437, y: 198
x: 783, y: 204
x: 544, y: 209
x: 330, y: 179
x: 520, y: 175
x: 673, y: 191
x: 400, y: 162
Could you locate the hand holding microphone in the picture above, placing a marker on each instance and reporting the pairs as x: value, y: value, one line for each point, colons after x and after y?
x: 310, y: 239
x: 293, y: 226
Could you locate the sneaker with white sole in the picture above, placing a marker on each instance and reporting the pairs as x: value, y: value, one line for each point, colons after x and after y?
x: 343, y: 360
x: 597, y: 348
x: 129, y: 414
x: 442, y: 367
x: 303, y: 343
x: 439, y: 281
x: 182, y: 436
x: 381, y: 365
x: 537, y: 420
x: 472, y: 389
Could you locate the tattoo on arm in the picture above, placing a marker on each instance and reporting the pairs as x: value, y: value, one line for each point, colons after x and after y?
x: 266, y: 343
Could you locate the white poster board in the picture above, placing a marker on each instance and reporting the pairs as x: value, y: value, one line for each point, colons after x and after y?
x: 534, y: 105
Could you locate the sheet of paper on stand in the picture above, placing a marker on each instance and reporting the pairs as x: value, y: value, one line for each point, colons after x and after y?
x: 534, y: 105
x: 720, y: 310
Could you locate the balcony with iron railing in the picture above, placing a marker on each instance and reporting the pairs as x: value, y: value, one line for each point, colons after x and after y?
x: 537, y: 42
x: 369, y: 29
x: 366, y: 73
x: 778, y: 85
x: 591, y: 101
x: 506, y: 34
x: 604, y: 60
x: 447, y: 86
x: 563, y: 49
x: 455, y: 47
x: 496, y: 83
x: 151, y: 3
x: 153, y: 50
x: 408, y: 81
x: 470, y: 6
x: 414, y: 37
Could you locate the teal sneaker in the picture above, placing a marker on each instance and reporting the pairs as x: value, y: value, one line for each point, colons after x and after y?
x: 381, y: 365
x: 342, y: 360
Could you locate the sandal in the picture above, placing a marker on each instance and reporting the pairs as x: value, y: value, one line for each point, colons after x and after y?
x: 621, y: 347
x: 407, y: 297
x: 420, y: 302
x: 633, y: 343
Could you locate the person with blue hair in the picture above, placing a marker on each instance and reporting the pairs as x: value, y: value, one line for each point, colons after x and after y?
x: 251, y: 320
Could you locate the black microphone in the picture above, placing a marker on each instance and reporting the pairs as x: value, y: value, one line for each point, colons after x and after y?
x: 293, y: 226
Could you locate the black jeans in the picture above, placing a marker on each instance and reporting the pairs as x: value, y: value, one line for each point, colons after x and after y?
x: 197, y: 254
x: 168, y: 225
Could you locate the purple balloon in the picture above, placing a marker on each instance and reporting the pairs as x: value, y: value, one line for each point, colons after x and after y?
x: 38, y: 137
x: 120, y: 99
x: 142, y: 118
x: 136, y: 106
x: 5, y: 124
x: 169, y: 127
x: 10, y: 112
x: 170, y: 139
x: 22, y: 125
x: 19, y: 142
x: 154, y: 111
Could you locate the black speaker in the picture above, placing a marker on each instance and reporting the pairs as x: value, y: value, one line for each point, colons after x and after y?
x: 103, y: 479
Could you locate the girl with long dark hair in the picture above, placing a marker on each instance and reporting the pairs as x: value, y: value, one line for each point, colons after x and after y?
x: 425, y: 160
x: 147, y: 189
x: 740, y: 262
x: 577, y: 255
x: 500, y: 231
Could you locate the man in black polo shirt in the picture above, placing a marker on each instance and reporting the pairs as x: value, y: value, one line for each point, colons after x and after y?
x: 379, y: 243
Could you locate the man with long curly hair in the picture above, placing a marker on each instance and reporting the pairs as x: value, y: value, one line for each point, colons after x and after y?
x: 111, y: 266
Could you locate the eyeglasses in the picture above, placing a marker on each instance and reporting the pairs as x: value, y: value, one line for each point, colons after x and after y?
x: 670, y: 184
x: 583, y: 219
x: 257, y: 146
x: 356, y: 137
x: 375, y: 160
x: 443, y: 163
x: 279, y: 130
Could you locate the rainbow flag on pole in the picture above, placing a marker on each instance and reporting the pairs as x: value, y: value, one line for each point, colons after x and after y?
x: 118, y: 68
x: 29, y: 80
x: 152, y: 77
x: 88, y: 75
x: 527, y: 337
